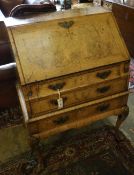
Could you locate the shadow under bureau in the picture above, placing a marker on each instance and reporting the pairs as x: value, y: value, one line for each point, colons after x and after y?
x: 73, y: 69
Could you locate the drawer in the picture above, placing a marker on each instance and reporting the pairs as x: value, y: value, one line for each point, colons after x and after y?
x: 64, y: 83
x: 74, y: 97
x: 67, y: 118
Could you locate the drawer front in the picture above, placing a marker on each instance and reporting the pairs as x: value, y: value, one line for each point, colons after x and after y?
x: 78, y: 96
x: 77, y: 115
x: 87, y: 78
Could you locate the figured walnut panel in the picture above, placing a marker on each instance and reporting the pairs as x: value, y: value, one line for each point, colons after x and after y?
x: 86, y: 78
x: 50, y: 49
x: 77, y: 96
x: 66, y: 119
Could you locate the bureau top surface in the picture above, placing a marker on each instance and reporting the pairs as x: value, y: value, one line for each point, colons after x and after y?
x: 52, y: 48
x: 14, y: 22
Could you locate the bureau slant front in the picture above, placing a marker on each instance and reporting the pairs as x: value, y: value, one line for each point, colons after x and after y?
x: 72, y: 70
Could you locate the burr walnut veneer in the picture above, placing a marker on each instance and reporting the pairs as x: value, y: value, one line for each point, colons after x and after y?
x: 73, y: 69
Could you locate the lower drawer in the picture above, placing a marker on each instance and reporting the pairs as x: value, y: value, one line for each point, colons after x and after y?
x: 66, y: 119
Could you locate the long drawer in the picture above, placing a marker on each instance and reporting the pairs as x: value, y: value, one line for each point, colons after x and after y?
x: 65, y: 119
x: 64, y: 83
x: 41, y: 106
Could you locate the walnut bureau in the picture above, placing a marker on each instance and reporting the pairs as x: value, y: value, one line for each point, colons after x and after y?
x: 73, y: 69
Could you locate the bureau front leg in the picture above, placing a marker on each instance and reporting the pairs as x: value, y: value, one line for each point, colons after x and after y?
x: 37, y: 154
x: 122, y: 117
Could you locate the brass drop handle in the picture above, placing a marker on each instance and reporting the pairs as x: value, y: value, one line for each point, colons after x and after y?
x: 103, y: 89
x: 104, y: 74
x: 54, y: 101
x: 61, y: 120
x: 103, y: 107
x: 66, y: 24
x: 57, y: 86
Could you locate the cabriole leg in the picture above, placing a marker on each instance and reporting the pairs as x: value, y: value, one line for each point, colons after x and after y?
x: 120, y: 120
x: 122, y: 117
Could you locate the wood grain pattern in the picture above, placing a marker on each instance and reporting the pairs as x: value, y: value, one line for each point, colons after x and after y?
x: 77, y: 96
x: 80, y: 106
x: 50, y: 55
x: 86, y: 78
x: 78, y: 124
x: 79, y: 56
x: 77, y: 115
